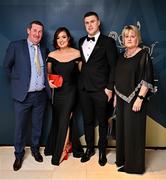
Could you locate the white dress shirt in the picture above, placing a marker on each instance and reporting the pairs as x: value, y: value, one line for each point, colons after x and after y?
x: 36, y: 81
x: 88, y: 46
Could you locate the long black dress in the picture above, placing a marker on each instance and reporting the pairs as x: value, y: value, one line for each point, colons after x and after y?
x: 130, y: 74
x: 64, y: 101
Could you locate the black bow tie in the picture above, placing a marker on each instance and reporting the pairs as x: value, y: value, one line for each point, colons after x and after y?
x: 90, y: 38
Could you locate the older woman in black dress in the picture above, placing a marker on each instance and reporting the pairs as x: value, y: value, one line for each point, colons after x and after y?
x: 64, y: 61
x: 133, y: 83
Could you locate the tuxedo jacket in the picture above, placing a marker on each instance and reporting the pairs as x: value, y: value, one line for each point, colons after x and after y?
x: 98, y: 72
x: 18, y: 67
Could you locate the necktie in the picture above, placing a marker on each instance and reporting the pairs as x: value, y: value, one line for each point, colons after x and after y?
x: 90, y: 38
x: 36, y: 59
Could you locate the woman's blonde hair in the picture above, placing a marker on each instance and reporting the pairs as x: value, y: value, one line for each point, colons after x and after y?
x: 126, y: 29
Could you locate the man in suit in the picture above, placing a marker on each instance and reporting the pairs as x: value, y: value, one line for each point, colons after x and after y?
x: 96, y: 83
x: 25, y: 65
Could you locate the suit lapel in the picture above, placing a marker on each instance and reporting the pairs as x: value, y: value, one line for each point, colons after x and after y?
x: 97, y: 46
x: 82, y: 54
x: 43, y: 53
x: 26, y: 53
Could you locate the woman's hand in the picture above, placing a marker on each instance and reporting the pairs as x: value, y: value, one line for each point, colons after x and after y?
x: 137, y: 104
x: 51, y: 84
x: 115, y: 101
x: 108, y: 93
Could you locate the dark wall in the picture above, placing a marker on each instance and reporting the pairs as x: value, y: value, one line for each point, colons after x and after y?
x: 149, y: 15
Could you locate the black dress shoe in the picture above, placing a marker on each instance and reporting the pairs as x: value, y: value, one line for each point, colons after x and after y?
x: 86, y: 156
x: 38, y: 157
x: 78, y: 154
x: 17, y: 164
x: 47, y: 152
x: 102, y: 159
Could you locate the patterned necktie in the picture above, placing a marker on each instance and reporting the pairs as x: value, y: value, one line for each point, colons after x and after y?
x: 36, y: 59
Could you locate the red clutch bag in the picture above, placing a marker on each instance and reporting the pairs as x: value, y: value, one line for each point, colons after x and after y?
x: 57, y: 79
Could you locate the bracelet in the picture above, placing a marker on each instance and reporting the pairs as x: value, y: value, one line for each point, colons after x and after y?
x: 141, y: 97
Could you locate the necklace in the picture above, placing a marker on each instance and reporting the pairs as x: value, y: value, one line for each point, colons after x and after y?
x: 128, y: 54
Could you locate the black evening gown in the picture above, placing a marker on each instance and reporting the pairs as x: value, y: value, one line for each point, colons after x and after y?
x: 131, y: 73
x: 63, y: 103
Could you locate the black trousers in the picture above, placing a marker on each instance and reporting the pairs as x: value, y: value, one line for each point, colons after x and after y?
x: 94, y: 107
x: 130, y: 136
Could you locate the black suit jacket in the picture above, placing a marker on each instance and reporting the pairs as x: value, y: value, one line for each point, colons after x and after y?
x: 98, y: 72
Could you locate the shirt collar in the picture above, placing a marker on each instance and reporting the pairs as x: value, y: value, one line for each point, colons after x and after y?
x: 30, y: 44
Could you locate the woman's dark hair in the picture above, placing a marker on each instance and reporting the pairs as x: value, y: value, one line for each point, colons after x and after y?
x: 59, y: 30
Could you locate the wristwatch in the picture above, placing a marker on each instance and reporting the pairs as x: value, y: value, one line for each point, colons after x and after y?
x: 141, y: 97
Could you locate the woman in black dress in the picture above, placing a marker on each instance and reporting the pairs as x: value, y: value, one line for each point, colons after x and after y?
x: 133, y: 83
x: 64, y: 61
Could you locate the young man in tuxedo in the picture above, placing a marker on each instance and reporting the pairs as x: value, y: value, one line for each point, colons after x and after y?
x: 99, y: 54
x: 25, y: 65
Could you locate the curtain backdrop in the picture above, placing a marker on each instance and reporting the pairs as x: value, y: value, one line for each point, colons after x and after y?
x: 114, y: 14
